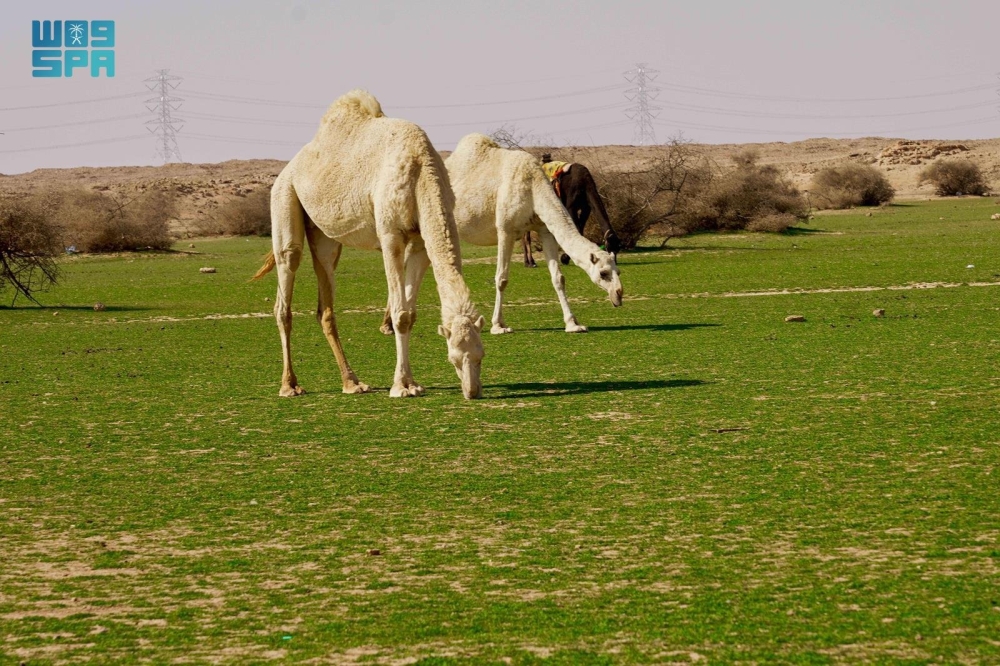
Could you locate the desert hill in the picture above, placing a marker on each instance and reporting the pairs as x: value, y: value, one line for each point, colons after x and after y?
x: 202, y: 188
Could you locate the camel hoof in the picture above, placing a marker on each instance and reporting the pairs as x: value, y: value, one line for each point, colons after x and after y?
x: 500, y: 330
x: 291, y: 391
x: 387, y: 329
x: 410, y: 391
x: 355, y: 388
x: 531, y: 265
x: 575, y: 328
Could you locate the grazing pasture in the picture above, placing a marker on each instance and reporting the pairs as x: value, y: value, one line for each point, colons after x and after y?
x: 693, y: 478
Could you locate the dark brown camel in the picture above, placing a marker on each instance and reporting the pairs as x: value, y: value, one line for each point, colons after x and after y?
x: 578, y: 193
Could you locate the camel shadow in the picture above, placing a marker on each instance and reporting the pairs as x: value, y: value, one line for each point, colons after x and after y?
x: 542, y: 390
x: 623, y: 327
x: 652, y: 327
x: 107, y: 308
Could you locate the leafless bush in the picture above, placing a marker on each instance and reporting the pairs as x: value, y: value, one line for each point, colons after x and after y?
x: 510, y: 136
x: 638, y: 201
x: 850, y: 185
x: 749, y: 194
x: 955, y: 178
x: 249, y: 215
x: 29, y: 243
x: 96, y: 222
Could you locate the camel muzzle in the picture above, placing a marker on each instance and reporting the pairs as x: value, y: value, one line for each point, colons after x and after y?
x: 472, y: 386
x: 616, y: 297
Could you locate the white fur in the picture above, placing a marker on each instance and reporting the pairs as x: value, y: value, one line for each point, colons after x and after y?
x: 373, y: 182
x: 500, y: 194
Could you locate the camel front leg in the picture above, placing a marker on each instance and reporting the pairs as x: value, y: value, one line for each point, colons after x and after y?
x: 386, y: 326
x: 326, y: 256
x: 551, y: 249
x: 416, y: 264
x: 505, y: 248
x: 403, y: 385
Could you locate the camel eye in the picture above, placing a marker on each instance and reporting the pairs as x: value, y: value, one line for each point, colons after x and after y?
x: 605, y: 275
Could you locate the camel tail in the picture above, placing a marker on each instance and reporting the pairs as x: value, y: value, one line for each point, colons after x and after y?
x: 266, y: 268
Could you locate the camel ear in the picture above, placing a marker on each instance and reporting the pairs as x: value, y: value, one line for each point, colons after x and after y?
x: 593, y: 258
x: 444, y: 331
x: 480, y: 322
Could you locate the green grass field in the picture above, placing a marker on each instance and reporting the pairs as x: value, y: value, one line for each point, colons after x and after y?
x: 694, y: 478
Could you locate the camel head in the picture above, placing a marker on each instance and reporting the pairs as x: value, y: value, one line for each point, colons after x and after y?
x: 603, y: 271
x: 465, y: 351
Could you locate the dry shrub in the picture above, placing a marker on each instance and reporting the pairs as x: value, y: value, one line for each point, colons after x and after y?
x: 247, y: 216
x: 749, y: 194
x: 774, y: 224
x: 850, y: 185
x: 512, y: 137
x: 955, y: 178
x: 96, y: 222
x: 29, y: 244
x: 640, y: 201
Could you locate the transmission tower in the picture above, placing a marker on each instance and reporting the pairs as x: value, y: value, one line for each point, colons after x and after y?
x: 164, y: 125
x: 643, y: 112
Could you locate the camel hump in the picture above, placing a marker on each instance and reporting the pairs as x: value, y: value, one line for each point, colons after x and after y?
x: 360, y: 101
x: 476, y: 140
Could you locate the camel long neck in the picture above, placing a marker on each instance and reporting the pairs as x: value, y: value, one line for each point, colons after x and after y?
x: 440, y: 236
x: 555, y: 218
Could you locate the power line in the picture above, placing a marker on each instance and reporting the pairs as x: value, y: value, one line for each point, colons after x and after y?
x: 248, y: 121
x: 74, y: 103
x: 510, y: 101
x: 882, y: 132
x: 643, y: 94
x: 777, y: 98
x: 514, y: 120
x: 98, y: 121
x: 164, y: 125
x: 273, y: 102
x: 798, y: 116
x: 233, y: 139
x: 251, y: 100
x: 74, y: 145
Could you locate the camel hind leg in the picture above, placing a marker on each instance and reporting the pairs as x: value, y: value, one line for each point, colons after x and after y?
x: 287, y: 236
x: 326, y: 255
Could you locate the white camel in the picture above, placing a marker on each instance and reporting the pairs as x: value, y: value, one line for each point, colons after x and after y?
x: 376, y: 183
x: 500, y: 194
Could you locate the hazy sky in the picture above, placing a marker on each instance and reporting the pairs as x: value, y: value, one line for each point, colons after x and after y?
x: 257, y: 75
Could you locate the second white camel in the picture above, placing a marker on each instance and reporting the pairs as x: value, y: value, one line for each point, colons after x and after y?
x: 499, y: 195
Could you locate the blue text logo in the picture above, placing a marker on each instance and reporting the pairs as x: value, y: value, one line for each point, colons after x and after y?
x: 60, y: 47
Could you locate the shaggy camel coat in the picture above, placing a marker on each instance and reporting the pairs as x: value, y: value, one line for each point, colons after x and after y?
x: 500, y: 194
x: 373, y: 182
